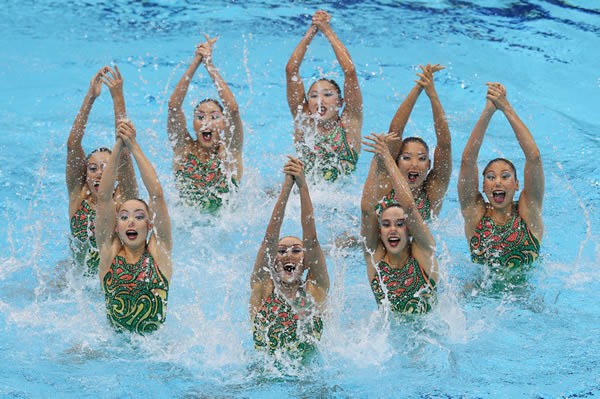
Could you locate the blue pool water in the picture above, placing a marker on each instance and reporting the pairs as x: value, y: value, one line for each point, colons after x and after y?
x: 539, y: 342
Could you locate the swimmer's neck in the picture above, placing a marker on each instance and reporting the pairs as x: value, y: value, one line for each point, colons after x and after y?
x: 501, y: 216
x: 203, y: 153
x: 328, y: 124
x: 132, y: 254
x: 398, y: 260
x: 289, y: 290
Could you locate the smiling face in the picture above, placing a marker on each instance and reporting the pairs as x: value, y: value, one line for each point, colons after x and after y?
x: 289, y: 261
x: 94, y: 169
x: 209, y: 124
x: 414, y: 163
x: 133, y: 223
x: 324, y: 100
x: 500, y: 184
x: 393, y: 230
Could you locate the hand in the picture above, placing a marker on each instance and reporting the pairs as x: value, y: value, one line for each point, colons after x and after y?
x: 426, y: 77
x: 295, y: 168
x: 96, y: 84
x: 378, y: 144
x: 126, y: 132
x: 497, y: 95
x: 204, y: 50
x: 113, y: 80
x: 321, y: 19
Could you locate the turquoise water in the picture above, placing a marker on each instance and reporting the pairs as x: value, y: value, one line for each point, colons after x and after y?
x: 537, y: 343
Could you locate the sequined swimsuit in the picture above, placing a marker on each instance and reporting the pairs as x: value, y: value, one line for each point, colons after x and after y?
x: 408, y: 289
x: 509, y: 245
x: 136, y: 294
x: 294, y: 328
x: 421, y: 201
x: 202, y: 185
x: 331, y: 155
x: 83, y: 231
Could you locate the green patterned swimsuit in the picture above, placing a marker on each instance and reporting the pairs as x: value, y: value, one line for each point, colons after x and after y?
x: 330, y: 156
x: 408, y: 289
x: 202, y: 185
x: 508, y: 246
x: 136, y: 295
x: 83, y: 230
x: 279, y: 325
x: 421, y: 201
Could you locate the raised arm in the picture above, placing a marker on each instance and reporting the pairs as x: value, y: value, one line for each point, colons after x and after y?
x: 401, y: 117
x: 176, y: 124
x: 157, y: 204
x: 423, y: 244
x: 317, y: 281
x: 295, y: 85
x: 439, y: 177
x: 472, y: 204
x: 234, y: 134
x: 105, y: 210
x: 126, y: 180
x: 352, y: 115
x: 76, y: 162
x: 403, y: 112
x: 261, y: 277
x: 417, y: 227
x: 377, y: 185
x: 532, y: 196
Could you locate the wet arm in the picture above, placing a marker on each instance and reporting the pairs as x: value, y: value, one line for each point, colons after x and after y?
x: 353, y: 111
x: 76, y: 162
x: 126, y: 180
x: 176, y: 125
x: 295, y: 85
x: 534, y: 171
x: 471, y: 201
x: 105, y: 211
x: 267, y: 250
x: 235, y: 135
x: 317, y: 268
x: 439, y: 177
x: 401, y: 117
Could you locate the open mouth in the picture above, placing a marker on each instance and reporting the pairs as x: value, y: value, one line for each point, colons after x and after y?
x: 498, y: 196
x: 96, y: 185
x: 289, y: 267
x: 207, y: 135
x: 322, y: 110
x: 412, y: 177
x: 394, y: 241
x: 131, y: 234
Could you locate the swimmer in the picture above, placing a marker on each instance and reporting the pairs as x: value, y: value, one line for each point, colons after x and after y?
x: 135, y: 270
x: 428, y: 185
x: 337, y: 138
x: 210, y: 165
x: 502, y: 232
x: 286, y: 309
x: 399, y: 249
x: 83, y: 173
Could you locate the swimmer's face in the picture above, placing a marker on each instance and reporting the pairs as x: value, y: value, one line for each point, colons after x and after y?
x: 209, y: 123
x: 94, y: 169
x: 414, y: 163
x: 289, y: 261
x: 393, y: 230
x: 324, y: 101
x: 500, y: 184
x: 133, y: 223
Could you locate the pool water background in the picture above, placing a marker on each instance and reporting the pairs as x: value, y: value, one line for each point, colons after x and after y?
x: 537, y: 342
